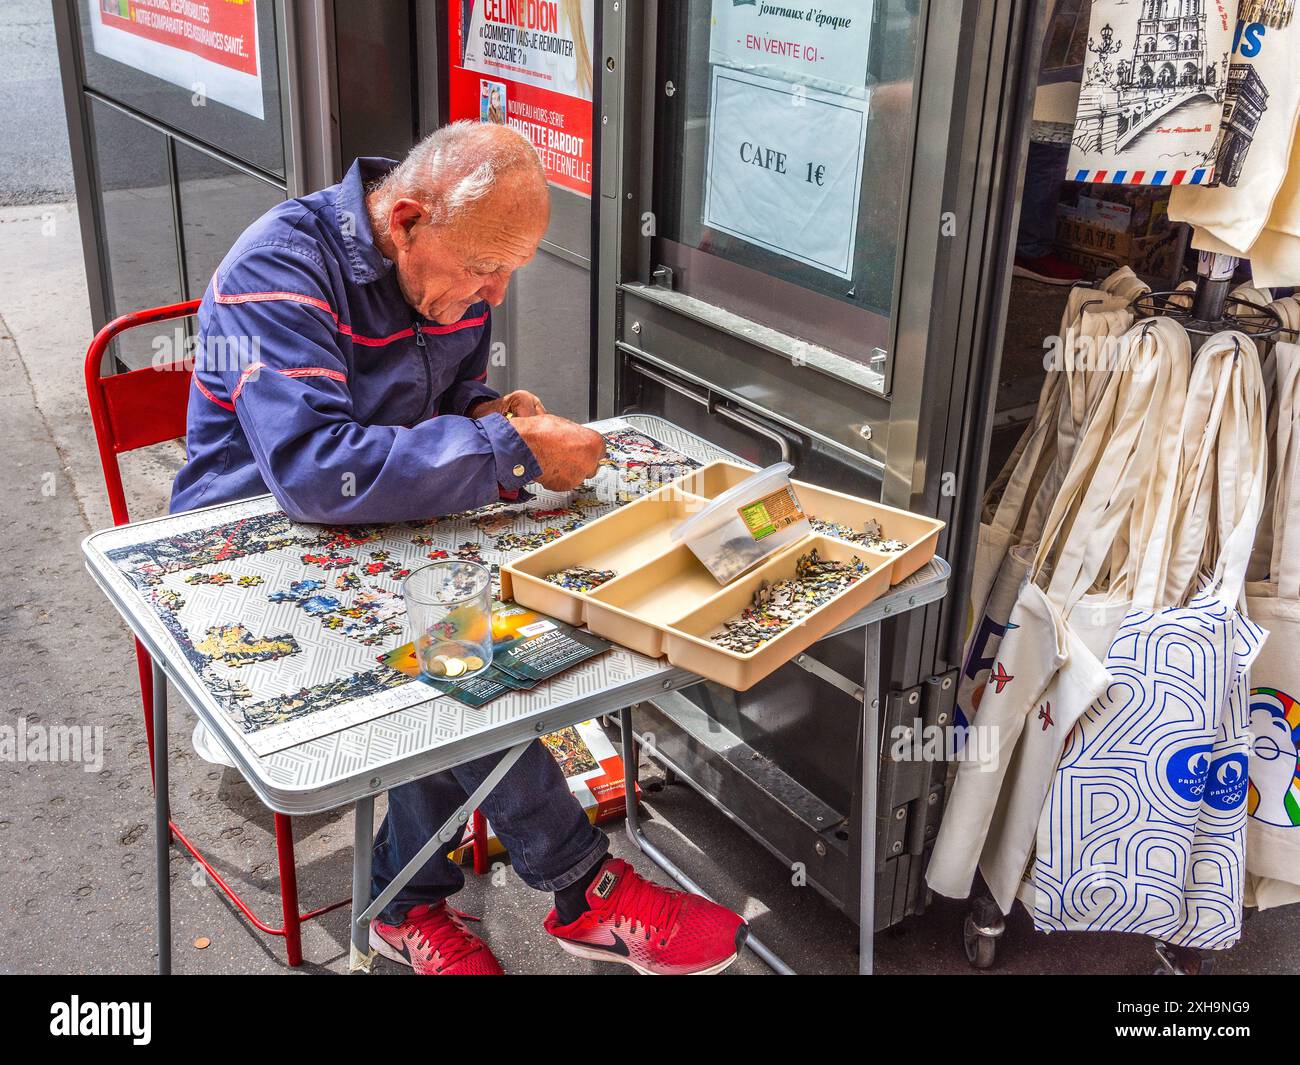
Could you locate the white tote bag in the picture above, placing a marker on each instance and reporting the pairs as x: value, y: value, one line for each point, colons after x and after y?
x: 1254, y: 143
x: 1125, y: 284
x: 1008, y: 537
x: 1144, y: 827
x: 1261, y: 557
x: 1273, y: 824
x: 1044, y: 676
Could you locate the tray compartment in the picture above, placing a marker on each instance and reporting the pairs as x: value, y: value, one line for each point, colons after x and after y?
x: 920, y: 533
x: 687, y: 642
x: 623, y: 540
x: 633, y: 608
x: 712, y: 480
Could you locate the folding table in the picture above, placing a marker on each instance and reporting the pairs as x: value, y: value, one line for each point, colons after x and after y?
x: 431, y: 733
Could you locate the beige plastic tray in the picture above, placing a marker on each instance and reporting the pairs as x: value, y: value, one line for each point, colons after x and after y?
x: 921, y: 534
x: 633, y: 609
x: 623, y: 540
x: 663, y: 600
x: 687, y: 642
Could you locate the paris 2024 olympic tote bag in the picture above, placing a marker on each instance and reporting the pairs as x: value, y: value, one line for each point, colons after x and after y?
x: 1145, y: 823
x: 1045, y: 675
x: 1273, y: 803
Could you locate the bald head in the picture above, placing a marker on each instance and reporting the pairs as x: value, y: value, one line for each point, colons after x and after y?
x: 459, y: 214
x: 461, y: 167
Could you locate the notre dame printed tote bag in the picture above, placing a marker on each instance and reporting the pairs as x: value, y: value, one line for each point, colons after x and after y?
x: 1151, y: 99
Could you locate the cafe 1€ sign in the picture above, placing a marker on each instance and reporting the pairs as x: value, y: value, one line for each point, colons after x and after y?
x: 784, y: 167
x: 822, y: 45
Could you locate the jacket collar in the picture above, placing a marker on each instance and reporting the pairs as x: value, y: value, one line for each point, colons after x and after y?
x: 365, y: 261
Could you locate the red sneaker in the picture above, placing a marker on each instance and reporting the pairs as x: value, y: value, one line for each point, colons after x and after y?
x: 434, y: 941
x: 657, y: 931
x: 1049, y: 269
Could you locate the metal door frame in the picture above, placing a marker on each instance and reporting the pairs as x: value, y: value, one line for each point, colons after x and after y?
x: 928, y: 437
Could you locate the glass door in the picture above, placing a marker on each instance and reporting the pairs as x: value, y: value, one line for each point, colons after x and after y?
x: 782, y: 141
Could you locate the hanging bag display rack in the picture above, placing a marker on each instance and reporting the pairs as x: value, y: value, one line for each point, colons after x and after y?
x: 1211, y: 308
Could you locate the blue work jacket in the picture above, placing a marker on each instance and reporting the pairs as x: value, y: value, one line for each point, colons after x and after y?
x: 316, y: 381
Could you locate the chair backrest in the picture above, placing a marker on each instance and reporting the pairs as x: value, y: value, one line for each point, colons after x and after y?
x: 138, y: 408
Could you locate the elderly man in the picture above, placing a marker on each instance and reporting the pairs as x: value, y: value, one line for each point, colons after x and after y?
x: 370, y: 303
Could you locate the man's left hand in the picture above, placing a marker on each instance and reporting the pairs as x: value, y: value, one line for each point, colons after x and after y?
x: 518, y: 404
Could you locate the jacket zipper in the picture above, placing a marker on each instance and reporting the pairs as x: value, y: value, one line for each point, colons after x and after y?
x: 428, y: 372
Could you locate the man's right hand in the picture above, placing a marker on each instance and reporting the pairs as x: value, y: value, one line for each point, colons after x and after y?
x: 567, y: 452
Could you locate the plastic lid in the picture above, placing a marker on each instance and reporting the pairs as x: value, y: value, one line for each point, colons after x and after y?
x: 724, y: 507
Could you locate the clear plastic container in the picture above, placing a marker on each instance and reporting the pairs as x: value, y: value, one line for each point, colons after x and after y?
x: 449, y: 611
x: 745, y: 524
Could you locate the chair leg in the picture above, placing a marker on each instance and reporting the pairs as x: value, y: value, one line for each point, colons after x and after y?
x: 288, y: 889
x: 145, y: 666
x: 480, y: 843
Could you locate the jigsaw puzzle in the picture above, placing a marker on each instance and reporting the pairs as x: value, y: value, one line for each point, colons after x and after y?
x: 282, y: 622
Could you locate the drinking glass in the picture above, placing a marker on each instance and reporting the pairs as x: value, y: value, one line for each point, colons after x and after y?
x: 449, y: 610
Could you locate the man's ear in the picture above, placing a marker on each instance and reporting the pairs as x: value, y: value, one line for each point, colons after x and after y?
x: 402, y: 218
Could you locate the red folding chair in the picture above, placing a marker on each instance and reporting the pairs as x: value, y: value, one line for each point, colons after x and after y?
x: 134, y: 410
x: 138, y: 409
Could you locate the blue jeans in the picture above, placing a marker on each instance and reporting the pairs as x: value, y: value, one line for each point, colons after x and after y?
x: 1044, y: 176
x: 552, y: 845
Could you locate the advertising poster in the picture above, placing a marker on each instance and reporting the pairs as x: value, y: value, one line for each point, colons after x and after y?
x: 206, y: 46
x: 823, y: 45
x: 527, y: 64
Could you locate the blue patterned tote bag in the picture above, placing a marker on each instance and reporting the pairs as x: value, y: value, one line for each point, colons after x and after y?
x: 1045, y: 674
x: 1144, y: 828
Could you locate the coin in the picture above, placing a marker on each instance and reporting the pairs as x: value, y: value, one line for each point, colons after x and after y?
x: 473, y: 662
x: 437, y: 667
x: 455, y: 667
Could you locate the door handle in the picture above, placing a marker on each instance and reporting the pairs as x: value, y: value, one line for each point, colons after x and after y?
x: 710, y: 403
x: 754, y: 426
x: 669, y: 383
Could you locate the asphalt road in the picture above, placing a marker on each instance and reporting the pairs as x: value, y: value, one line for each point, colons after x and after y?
x: 34, y: 163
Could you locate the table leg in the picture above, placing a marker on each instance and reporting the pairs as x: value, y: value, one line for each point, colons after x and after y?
x: 870, y: 786
x: 162, y: 822
x: 360, y: 956
x: 442, y: 838
x: 643, y: 844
